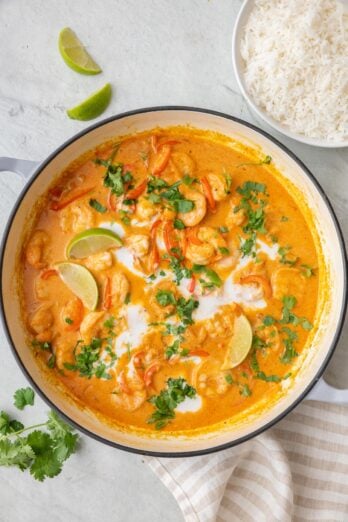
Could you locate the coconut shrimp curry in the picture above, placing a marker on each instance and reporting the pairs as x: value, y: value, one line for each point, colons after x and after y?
x: 170, y: 281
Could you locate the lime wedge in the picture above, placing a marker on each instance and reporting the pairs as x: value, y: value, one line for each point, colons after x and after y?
x: 240, y: 343
x: 74, y: 54
x: 93, y: 106
x: 92, y: 241
x: 81, y: 283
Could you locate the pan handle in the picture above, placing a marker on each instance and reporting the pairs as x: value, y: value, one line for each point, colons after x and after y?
x: 24, y: 168
x: 325, y: 393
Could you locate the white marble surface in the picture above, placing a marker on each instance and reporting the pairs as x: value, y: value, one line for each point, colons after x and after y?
x: 154, y: 52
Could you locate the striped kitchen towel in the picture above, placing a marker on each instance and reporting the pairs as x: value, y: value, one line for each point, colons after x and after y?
x: 297, y: 471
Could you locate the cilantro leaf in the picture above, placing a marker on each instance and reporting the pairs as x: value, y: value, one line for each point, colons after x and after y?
x: 165, y: 297
x: 94, y: 203
x: 15, y: 453
x: 23, y: 397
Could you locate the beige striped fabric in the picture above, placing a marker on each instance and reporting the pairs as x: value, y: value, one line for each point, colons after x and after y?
x: 297, y: 471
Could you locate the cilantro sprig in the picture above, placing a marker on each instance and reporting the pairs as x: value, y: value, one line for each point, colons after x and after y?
x: 41, y: 451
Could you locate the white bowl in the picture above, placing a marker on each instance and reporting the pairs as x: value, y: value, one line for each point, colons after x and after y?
x: 238, y: 71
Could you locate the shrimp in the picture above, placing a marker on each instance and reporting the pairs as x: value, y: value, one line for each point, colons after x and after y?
x: 194, y: 216
x: 72, y: 314
x: 76, y: 218
x: 91, y: 325
x: 218, y: 186
x: 35, y: 251
x: 288, y: 281
x: 221, y: 325
x: 209, y: 380
x: 209, y: 249
x: 64, y: 351
x: 119, y: 289
x: 139, y: 244
x: 184, y: 163
x: 131, y: 392
x: 145, y: 209
x: 42, y: 321
x: 235, y: 216
x: 99, y: 261
x: 156, y: 308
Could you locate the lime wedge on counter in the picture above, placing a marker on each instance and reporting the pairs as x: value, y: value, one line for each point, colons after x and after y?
x: 93, y: 106
x: 240, y: 343
x: 92, y: 241
x: 74, y: 53
x: 81, y: 283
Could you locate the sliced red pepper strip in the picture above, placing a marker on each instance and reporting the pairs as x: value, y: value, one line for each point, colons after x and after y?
x: 208, y: 193
x: 169, y: 238
x: 161, y: 160
x: 77, y: 318
x: 107, y: 295
x: 111, y: 201
x: 259, y: 280
x: 153, y: 141
x: 149, y: 372
x: 192, y: 284
x: 137, y: 191
x: 155, y: 253
x: 200, y: 353
x: 48, y: 273
x: 59, y: 205
x: 168, y: 142
x: 191, y: 235
x: 123, y: 384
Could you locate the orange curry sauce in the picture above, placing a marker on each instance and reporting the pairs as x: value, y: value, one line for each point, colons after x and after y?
x: 190, y: 206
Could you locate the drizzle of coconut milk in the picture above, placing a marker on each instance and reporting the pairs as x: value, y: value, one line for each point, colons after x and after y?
x: 137, y: 327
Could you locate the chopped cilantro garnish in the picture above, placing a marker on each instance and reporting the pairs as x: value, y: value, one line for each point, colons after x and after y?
x: 224, y: 251
x: 87, y: 360
x: 268, y: 320
x: 253, y: 207
x: 165, y: 403
x: 283, y: 253
x: 178, y: 224
x: 288, y: 317
x: 266, y: 161
x: 165, y: 297
x: 127, y: 298
x: 307, y: 271
x: 229, y: 378
x: 290, y: 351
x: 161, y: 192
x: 68, y: 320
x: 245, y: 391
x: 94, y: 203
x: 223, y: 230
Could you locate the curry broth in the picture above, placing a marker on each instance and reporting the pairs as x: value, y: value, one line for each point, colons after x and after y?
x: 283, y: 266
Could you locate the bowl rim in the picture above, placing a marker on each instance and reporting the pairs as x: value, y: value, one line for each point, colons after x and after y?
x: 315, y: 142
x: 330, y: 350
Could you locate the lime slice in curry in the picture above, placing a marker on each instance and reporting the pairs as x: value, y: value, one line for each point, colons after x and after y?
x: 81, y: 283
x: 240, y: 343
x: 93, y: 106
x: 74, y: 53
x: 92, y: 241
